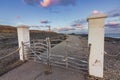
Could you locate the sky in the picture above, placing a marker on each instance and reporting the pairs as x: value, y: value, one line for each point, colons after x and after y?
x: 67, y: 16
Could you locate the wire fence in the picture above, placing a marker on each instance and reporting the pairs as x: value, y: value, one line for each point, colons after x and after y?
x: 15, y: 51
x: 9, y: 61
x: 116, y: 55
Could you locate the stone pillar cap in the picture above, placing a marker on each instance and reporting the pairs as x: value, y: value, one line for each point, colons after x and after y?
x: 95, y: 16
x: 23, y: 26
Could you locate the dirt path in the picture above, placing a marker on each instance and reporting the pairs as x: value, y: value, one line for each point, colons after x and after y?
x: 75, y: 46
x: 35, y: 71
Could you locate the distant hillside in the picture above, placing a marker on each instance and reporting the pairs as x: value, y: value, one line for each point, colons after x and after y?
x: 7, y: 29
x: 10, y: 30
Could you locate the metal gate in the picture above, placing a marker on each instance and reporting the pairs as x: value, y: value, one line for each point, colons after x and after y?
x: 40, y: 51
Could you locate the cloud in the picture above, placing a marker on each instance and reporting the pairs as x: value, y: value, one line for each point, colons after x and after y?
x: 18, y: 17
x: 77, y: 26
x: 35, y: 26
x: 47, y: 3
x: 32, y: 2
x: 112, y: 25
x: 64, y: 29
x: 112, y: 30
x: 96, y: 12
x: 44, y: 21
x: 67, y: 2
x: 79, y: 23
x: 56, y: 12
x: 114, y: 12
x: 39, y: 27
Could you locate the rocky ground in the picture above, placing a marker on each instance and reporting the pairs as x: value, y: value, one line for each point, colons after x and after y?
x: 9, y: 43
x: 76, y: 46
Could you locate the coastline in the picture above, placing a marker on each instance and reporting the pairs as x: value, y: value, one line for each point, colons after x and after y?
x: 115, y: 35
x: 111, y: 36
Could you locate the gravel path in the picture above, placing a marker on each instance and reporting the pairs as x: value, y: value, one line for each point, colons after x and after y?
x: 75, y: 46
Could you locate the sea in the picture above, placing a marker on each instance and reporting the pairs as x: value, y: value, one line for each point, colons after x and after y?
x: 115, y: 35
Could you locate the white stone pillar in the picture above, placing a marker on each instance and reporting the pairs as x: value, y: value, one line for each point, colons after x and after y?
x: 23, y: 36
x: 96, y: 40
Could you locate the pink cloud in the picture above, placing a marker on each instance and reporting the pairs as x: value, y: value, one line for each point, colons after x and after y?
x: 113, y: 24
x: 79, y: 26
x: 17, y: 17
x: 96, y: 12
x: 46, y: 3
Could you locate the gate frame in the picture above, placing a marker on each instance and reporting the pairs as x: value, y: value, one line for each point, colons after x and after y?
x: 96, y: 26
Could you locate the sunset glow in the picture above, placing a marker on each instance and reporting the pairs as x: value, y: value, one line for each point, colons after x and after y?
x: 45, y: 3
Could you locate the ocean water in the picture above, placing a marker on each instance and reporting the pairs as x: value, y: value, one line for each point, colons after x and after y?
x: 117, y: 35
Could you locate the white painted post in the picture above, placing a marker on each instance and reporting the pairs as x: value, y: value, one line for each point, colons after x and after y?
x: 48, y: 54
x: 96, y: 40
x: 23, y: 36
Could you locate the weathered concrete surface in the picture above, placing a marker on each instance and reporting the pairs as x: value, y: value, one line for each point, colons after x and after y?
x: 96, y: 59
x: 35, y: 71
